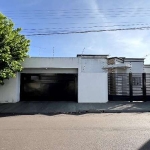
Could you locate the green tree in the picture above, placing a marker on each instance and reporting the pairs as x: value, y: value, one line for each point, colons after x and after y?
x: 14, y: 48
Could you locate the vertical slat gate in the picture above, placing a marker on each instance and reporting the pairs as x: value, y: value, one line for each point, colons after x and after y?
x: 129, y: 87
x: 147, y: 86
x: 118, y: 85
x: 144, y: 86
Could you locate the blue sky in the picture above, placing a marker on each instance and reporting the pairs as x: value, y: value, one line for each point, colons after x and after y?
x: 81, y: 15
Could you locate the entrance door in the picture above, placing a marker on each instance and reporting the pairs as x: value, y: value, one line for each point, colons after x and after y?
x: 137, y: 86
x: 49, y: 87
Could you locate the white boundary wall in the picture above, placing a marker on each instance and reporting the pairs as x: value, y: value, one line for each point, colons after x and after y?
x: 147, y: 68
x: 92, y: 88
x: 10, y: 91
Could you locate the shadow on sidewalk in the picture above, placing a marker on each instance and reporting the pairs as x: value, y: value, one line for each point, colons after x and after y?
x: 72, y: 108
x: 146, y: 146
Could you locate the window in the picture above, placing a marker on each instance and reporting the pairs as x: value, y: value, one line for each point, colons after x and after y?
x: 137, y: 81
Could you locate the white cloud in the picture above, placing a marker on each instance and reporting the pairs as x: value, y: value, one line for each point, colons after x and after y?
x: 133, y: 44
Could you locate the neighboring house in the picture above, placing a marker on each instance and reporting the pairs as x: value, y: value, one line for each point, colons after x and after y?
x: 125, y: 85
x: 125, y: 65
x: 83, y: 79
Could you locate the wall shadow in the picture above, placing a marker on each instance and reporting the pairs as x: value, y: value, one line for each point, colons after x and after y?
x: 145, y: 146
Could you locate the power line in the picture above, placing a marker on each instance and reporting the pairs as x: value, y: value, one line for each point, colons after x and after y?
x: 87, y: 17
x: 57, y: 30
x: 30, y: 18
x: 77, y: 13
x: 42, y: 15
x: 79, y: 16
x: 117, y: 8
x: 42, y: 29
x: 75, y: 23
x: 90, y: 31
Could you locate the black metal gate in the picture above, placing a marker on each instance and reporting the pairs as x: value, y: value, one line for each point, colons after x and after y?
x: 49, y: 87
x: 128, y: 87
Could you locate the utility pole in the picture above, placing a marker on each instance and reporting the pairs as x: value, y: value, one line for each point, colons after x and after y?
x: 53, y: 51
x: 83, y: 51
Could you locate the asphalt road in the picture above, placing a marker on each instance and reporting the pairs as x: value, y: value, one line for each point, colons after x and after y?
x: 130, y: 131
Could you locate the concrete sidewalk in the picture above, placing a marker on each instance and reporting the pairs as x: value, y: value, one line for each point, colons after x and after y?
x: 47, y: 107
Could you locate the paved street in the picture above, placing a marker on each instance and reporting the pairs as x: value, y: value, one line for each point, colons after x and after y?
x: 119, y: 131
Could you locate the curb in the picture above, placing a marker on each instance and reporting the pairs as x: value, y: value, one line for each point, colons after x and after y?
x: 73, y: 113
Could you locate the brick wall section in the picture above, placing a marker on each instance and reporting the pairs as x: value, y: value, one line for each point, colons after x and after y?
x: 111, y: 62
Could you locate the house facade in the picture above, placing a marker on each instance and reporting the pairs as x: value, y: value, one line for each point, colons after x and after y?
x: 83, y: 79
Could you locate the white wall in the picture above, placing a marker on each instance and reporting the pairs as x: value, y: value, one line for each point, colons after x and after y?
x: 10, y: 91
x: 92, y: 88
x: 92, y: 65
x: 147, y: 68
x: 60, y: 62
x: 92, y: 81
x: 136, y: 66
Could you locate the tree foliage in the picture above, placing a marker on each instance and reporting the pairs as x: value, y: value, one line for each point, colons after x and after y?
x: 13, y: 49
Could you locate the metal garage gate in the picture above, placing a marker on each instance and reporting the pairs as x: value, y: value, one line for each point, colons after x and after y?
x: 48, y: 87
x: 129, y: 87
